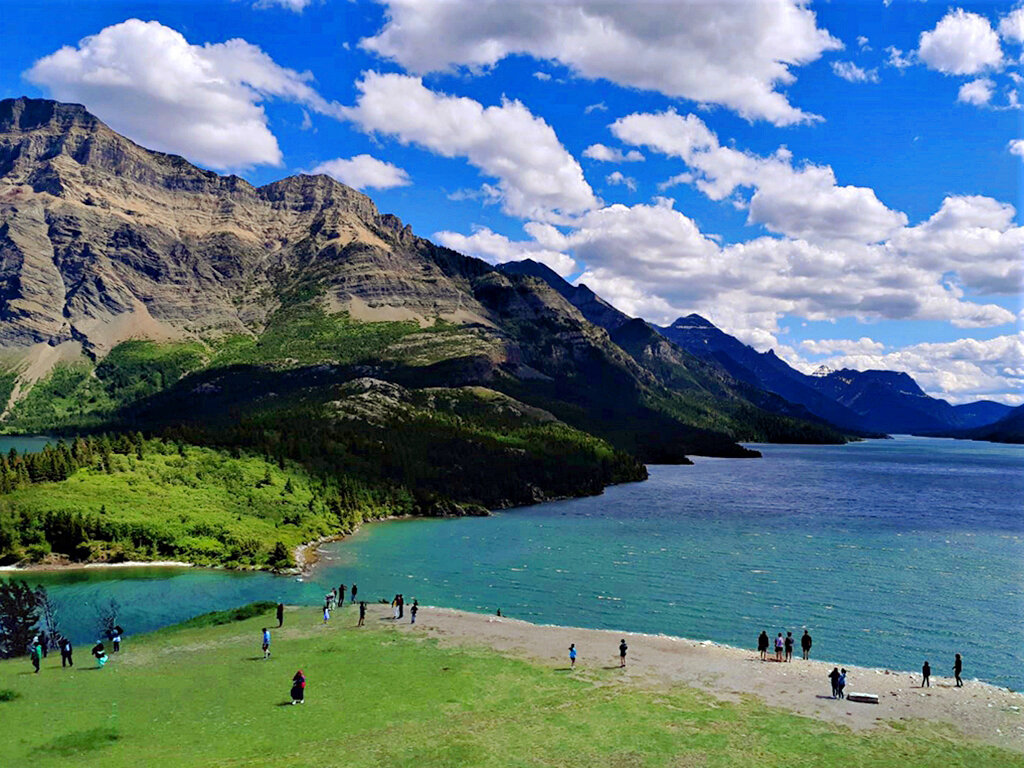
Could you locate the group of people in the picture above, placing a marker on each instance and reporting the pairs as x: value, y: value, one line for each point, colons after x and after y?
x: 40, y: 645
x: 622, y: 654
x: 783, y: 646
x: 784, y: 652
x: 336, y: 599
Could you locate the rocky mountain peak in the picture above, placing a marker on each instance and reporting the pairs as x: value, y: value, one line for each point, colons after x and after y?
x: 692, y: 322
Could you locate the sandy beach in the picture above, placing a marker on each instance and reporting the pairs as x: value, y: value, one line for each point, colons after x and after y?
x: 995, y: 715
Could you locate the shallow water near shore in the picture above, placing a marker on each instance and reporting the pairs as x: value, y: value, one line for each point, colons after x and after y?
x: 890, y: 552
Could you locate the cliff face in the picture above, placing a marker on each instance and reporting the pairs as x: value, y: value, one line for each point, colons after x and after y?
x: 103, y: 240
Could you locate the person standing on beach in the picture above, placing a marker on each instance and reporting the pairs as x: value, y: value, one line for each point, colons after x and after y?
x: 762, y: 645
x: 394, y: 606
x: 280, y: 615
x: 805, y: 644
x: 833, y: 677
x: 266, y: 643
x: 841, y: 683
x: 926, y: 674
x: 362, y: 614
x: 778, y: 647
x: 958, y: 667
x: 341, y: 596
x: 622, y: 652
x: 36, y: 653
x: 65, y: 652
x: 789, y: 646
x: 401, y: 605
x: 355, y: 591
x: 414, y: 610
x: 572, y: 655
x: 298, y: 688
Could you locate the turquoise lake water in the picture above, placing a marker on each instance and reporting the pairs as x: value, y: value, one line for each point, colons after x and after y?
x: 889, y: 552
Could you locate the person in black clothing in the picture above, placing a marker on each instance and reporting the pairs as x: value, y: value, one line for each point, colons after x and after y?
x: 926, y: 673
x: 622, y: 652
x: 789, y: 646
x: 401, y: 605
x: 833, y: 676
x: 280, y: 614
x: 414, y: 610
x: 116, y: 638
x: 43, y: 642
x: 65, y: 652
x: 362, y: 613
x: 805, y: 644
x: 341, y: 596
x: 762, y: 645
x: 355, y: 591
x: 298, y: 688
x: 958, y: 667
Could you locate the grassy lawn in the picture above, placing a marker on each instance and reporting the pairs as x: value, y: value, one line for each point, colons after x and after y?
x: 203, y: 696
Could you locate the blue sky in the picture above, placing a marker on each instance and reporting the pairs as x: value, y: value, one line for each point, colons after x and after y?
x: 835, y: 180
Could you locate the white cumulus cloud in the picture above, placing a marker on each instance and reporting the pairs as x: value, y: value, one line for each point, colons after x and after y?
x: 1016, y: 147
x: 364, y: 172
x: 149, y: 83
x: 537, y: 177
x: 850, y: 71
x: 736, y: 54
x: 977, y: 92
x: 612, y: 155
x: 616, y: 178
x: 861, y: 346
x: 1011, y: 26
x: 962, y: 43
x: 802, y: 201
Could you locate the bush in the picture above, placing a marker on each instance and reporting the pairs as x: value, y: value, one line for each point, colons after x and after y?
x: 6, y: 694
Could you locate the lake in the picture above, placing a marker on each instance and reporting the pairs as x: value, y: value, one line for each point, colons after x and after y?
x: 890, y: 552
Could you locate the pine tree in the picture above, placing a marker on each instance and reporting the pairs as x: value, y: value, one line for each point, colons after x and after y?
x: 19, y: 617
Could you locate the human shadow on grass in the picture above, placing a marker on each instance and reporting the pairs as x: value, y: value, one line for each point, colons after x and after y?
x: 255, y: 658
x: 284, y: 703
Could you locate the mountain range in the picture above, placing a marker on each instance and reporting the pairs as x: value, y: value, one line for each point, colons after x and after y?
x: 860, y: 402
x: 139, y: 292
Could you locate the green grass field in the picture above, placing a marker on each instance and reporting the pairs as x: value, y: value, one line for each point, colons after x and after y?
x: 203, y: 696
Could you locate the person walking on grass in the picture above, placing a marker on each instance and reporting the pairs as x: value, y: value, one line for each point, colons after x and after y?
x: 298, y: 688
x: 805, y: 645
x: 789, y: 646
x: 327, y: 614
x: 622, y: 653
x: 266, y: 643
x: 355, y: 591
x: 833, y: 677
x: 762, y: 645
x: 36, y: 653
x: 926, y: 674
x: 280, y: 615
x: 65, y: 652
x: 958, y: 667
x: 362, y: 614
x: 115, y: 638
x: 572, y: 655
x: 100, y: 653
x: 341, y: 596
x: 414, y: 610
x: 778, y: 647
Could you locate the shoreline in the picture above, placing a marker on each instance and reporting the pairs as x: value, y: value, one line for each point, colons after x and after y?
x: 57, y: 567
x: 982, y: 710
